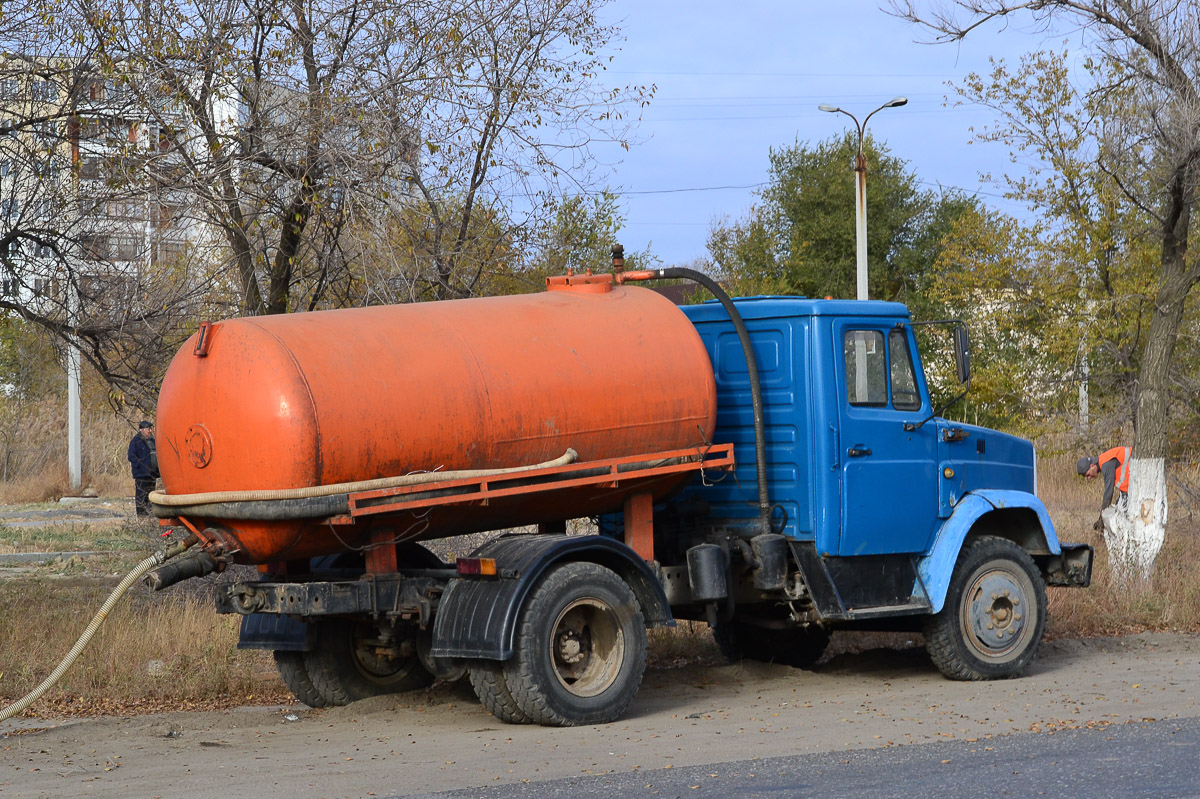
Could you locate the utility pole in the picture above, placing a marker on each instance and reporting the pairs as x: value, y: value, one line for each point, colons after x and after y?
x: 74, y: 434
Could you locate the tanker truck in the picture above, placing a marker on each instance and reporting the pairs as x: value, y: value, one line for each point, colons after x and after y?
x: 773, y: 466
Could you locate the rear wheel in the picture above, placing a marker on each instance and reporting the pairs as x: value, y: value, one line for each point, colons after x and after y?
x: 580, y: 648
x: 351, y: 661
x: 295, y: 677
x: 487, y: 678
x: 994, y: 616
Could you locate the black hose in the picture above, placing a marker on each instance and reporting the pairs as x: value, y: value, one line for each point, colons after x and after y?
x: 760, y: 428
x: 273, y: 510
x: 181, y: 569
x: 276, y: 510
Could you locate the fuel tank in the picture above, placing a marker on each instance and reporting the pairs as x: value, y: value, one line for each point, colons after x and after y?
x: 311, y: 399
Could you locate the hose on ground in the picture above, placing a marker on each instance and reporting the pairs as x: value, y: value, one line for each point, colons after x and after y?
x: 146, y: 565
x: 270, y: 495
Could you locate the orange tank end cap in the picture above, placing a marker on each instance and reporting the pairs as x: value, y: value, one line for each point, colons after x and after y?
x: 581, y: 284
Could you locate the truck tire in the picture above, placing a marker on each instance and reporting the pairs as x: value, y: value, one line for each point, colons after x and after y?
x: 343, y: 669
x: 487, y: 678
x: 994, y: 616
x: 580, y: 648
x: 295, y: 677
x: 799, y: 647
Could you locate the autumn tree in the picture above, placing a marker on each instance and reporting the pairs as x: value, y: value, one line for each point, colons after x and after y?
x: 580, y: 235
x: 1146, y: 148
x: 285, y: 144
x: 395, y: 259
x: 800, y: 237
x: 1062, y: 301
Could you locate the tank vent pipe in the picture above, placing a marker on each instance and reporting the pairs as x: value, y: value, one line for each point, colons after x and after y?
x: 760, y: 434
x: 146, y: 565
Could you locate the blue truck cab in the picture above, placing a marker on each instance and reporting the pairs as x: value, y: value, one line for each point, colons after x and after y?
x: 883, y: 515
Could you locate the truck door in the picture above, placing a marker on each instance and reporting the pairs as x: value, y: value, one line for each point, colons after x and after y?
x: 889, y: 475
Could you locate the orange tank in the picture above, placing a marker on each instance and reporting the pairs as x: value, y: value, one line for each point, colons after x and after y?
x: 310, y: 399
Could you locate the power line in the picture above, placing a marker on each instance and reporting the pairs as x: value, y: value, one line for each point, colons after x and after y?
x: 648, y: 117
x: 696, y: 188
x: 788, y: 74
x: 934, y: 184
x: 798, y: 98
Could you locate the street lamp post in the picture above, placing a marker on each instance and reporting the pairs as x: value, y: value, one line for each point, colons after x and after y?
x: 860, y: 187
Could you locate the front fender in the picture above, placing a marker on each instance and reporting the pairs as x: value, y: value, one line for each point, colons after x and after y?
x: 1016, y: 515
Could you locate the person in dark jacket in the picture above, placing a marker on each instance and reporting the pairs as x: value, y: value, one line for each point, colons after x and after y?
x: 143, y: 460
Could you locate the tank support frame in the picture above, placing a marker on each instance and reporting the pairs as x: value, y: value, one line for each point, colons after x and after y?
x: 609, y: 473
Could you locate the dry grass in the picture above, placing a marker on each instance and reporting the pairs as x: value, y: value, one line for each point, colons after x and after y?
x: 53, y: 482
x: 33, y: 453
x: 47, y: 485
x: 1170, y: 600
x: 149, y: 655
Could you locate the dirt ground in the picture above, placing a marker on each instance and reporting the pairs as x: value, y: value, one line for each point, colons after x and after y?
x: 442, y: 739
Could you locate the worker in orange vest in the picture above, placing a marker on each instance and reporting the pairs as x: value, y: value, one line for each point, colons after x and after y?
x: 1114, y: 465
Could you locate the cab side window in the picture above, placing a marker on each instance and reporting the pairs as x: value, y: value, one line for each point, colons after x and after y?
x: 904, y: 381
x: 866, y: 368
x: 872, y: 378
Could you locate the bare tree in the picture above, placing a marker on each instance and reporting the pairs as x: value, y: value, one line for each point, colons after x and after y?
x: 169, y: 162
x: 1154, y: 158
x: 293, y: 124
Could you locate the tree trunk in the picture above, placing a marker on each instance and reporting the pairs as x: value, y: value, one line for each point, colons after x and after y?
x: 1134, y: 532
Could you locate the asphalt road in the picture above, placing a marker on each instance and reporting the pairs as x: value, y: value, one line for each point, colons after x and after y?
x: 1155, y: 759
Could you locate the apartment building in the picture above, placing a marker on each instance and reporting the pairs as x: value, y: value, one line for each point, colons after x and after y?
x: 81, y: 189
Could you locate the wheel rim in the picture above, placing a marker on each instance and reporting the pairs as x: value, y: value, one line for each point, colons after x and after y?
x: 377, y: 668
x: 587, y: 647
x: 995, y: 616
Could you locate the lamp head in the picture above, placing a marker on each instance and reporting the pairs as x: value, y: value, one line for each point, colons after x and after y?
x: 895, y: 102
x: 833, y: 109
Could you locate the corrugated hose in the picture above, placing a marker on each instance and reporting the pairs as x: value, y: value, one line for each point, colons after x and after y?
x: 157, y: 559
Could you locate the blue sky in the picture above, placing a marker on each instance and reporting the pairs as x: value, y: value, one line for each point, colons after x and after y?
x: 735, y: 79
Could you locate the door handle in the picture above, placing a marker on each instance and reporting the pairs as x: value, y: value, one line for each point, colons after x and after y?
x: 858, y: 452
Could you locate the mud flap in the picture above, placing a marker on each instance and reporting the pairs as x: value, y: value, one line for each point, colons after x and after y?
x: 274, y: 632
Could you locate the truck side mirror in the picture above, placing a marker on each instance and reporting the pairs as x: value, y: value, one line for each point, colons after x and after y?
x: 962, y: 353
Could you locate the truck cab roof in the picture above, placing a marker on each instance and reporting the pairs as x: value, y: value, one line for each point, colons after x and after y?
x: 770, y: 306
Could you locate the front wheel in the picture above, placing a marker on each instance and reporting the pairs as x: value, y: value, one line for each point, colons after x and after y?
x: 994, y: 616
x: 580, y: 648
